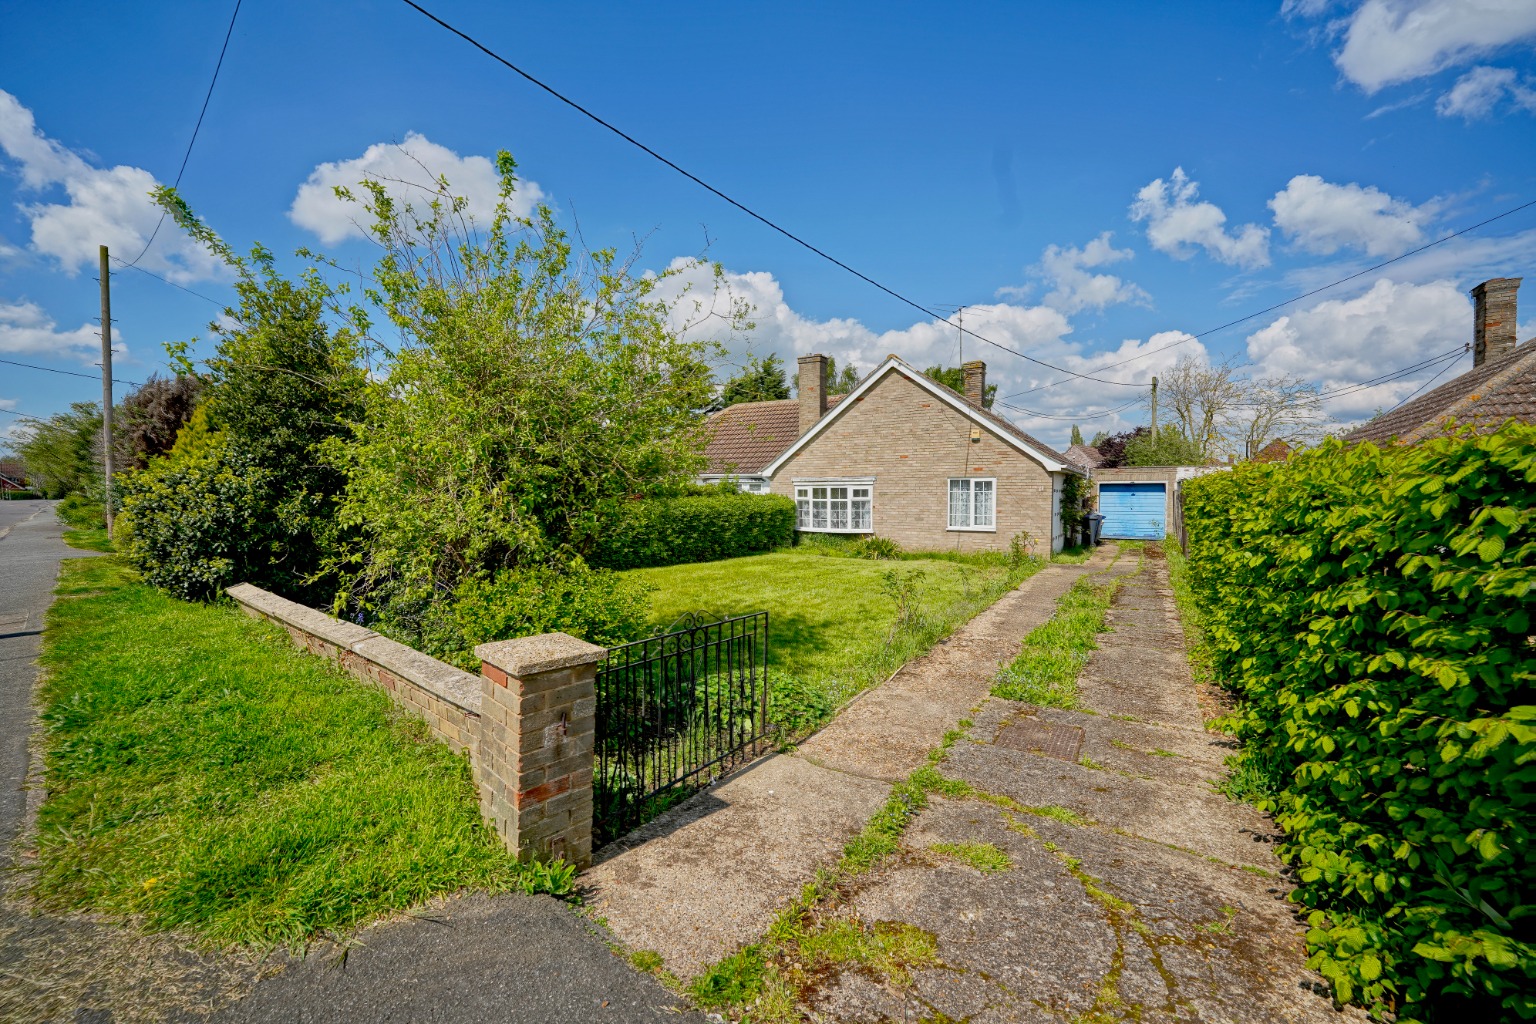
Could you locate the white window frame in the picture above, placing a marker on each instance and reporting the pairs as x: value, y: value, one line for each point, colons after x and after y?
x: 811, y: 493
x: 967, y: 521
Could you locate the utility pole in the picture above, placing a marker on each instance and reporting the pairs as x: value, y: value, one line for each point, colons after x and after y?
x: 960, y: 316
x: 106, y: 380
x: 1154, y: 408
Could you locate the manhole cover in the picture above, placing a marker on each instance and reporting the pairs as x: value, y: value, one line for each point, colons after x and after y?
x: 1037, y: 737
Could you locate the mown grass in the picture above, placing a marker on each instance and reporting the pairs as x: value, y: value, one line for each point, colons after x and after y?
x: 1046, y: 669
x: 203, y: 775
x: 833, y: 623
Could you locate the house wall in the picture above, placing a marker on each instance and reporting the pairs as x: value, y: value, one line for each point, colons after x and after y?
x: 911, y: 444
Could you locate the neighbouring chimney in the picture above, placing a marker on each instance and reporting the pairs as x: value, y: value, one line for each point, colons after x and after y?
x: 1493, y: 318
x: 975, y: 373
x: 813, y: 390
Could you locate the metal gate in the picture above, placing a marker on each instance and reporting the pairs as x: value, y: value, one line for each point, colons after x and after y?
x: 674, y: 712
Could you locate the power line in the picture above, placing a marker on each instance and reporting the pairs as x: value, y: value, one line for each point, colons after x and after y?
x: 1426, y: 384
x: 1049, y: 416
x: 1294, y: 298
x: 67, y: 373
x: 173, y: 284
x: 195, y: 129
x: 898, y: 296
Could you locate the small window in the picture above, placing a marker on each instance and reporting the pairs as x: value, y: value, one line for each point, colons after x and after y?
x: 972, y: 503
x: 834, y: 508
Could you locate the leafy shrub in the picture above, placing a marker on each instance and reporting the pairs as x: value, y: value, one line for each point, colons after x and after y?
x: 1372, y: 610
x: 877, y: 547
x: 205, y: 517
x: 594, y: 605
x: 796, y: 705
x: 668, y: 531
x: 82, y: 513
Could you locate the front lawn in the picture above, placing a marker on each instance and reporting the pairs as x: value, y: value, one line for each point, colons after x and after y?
x: 832, y: 619
x: 205, y: 775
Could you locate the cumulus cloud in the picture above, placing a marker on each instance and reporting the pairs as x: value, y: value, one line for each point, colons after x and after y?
x: 1391, y: 41
x: 1176, y: 223
x: 1323, y: 217
x: 8, y: 404
x: 409, y: 172
x: 104, y: 205
x: 1073, y: 288
x: 1344, y: 341
x: 24, y: 327
x: 1040, y: 331
x: 1479, y: 91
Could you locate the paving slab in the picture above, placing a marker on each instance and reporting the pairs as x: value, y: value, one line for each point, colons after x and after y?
x: 710, y: 874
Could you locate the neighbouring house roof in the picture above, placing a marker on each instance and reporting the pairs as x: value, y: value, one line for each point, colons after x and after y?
x: 1050, y: 458
x: 1085, y: 455
x: 744, y: 438
x: 1485, y: 398
x: 1275, y: 451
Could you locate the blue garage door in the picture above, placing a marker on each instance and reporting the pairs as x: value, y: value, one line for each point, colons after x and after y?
x: 1134, y: 511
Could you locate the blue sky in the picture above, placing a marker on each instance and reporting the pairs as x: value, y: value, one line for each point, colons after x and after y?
x: 1092, y: 182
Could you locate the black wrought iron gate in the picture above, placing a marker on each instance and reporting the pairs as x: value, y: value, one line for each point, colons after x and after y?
x: 674, y: 712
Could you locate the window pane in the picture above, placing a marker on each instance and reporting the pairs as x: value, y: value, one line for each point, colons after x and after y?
x: 839, y: 515
x: 802, y: 492
x: 861, y: 492
x: 819, y: 514
x: 861, y: 514
x: 802, y: 514
x: 982, y: 502
x: 816, y: 492
x: 839, y: 492
x: 959, y: 504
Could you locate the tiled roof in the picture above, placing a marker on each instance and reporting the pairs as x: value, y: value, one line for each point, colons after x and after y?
x: 1484, y: 398
x: 1084, y: 455
x: 744, y: 438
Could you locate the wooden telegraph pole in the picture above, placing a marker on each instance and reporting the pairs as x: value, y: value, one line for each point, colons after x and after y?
x: 1154, y: 408
x: 106, y: 381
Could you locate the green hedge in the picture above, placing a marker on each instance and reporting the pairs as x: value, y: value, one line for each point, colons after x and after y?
x: 1372, y: 610
x: 669, y: 531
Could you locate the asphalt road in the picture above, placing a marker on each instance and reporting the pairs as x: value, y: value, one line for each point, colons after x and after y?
x: 30, y: 551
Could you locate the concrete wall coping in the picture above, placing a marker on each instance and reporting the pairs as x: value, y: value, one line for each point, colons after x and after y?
x: 543, y: 653
x: 453, y: 685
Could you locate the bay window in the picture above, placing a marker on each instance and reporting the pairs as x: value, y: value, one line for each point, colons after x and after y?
x: 972, y: 503
x: 835, y: 506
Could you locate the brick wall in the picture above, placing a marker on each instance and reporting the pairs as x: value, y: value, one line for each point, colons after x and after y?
x: 527, y: 722
x: 912, y: 443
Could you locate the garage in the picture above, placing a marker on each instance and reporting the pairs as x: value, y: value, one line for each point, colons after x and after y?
x: 1134, y: 511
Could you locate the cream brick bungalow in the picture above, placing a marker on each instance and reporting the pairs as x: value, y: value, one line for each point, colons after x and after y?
x: 900, y: 456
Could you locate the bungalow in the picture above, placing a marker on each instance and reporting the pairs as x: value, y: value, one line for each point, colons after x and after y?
x: 1501, y: 386
x: 901, y: 456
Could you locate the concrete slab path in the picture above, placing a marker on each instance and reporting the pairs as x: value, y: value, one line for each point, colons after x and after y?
x: 1131, y: 891
x: 709, y: 875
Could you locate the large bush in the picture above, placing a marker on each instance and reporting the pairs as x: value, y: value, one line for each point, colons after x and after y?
x: 1372, y: 610
x: 703, y: 528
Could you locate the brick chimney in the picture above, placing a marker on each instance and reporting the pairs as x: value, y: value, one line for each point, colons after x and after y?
x: 975, y: 373
x: 1493, y: 318
x: 813, y: 390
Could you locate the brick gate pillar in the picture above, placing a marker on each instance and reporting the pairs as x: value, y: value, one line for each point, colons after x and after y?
x: 538, y: 720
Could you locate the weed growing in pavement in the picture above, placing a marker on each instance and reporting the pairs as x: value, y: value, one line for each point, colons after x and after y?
x: 1046, y: 669
x: 984, y: 857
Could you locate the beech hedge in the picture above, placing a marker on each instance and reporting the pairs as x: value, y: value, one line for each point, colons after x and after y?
x: 695, y: 528
x: 1372, y: 611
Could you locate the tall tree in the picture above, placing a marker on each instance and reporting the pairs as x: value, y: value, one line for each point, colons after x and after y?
x: 1277, y: 409
x: 761, y: 380
x: 1202, y: 400
x: 1077, y: 434
x: 953, y: 378
x: 841, y: 380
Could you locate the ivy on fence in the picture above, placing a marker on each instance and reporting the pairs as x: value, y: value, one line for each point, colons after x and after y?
x: 1372, y: 610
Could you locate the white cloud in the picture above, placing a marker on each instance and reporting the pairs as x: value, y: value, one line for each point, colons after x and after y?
x: 24, y: 327
x: 109, y: 206
x: 1479, y: 91
x: 1344, y: 341
x: 1175, y: 222
x: 8, y: 404
x: 1073, y: 288
x: 1391, y: 41
x: 1322, y: 217
x: 1038, y: 330
x: 409, y: 172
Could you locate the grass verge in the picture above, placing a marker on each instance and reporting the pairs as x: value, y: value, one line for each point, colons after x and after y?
x: 205, y: 776
x: 1046, y: 669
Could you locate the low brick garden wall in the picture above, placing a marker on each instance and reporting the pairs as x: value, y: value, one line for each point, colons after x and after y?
x: 531, y: 748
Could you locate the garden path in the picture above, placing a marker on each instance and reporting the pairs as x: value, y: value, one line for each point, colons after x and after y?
x: 707, y: 876
x: 1131, y: 891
